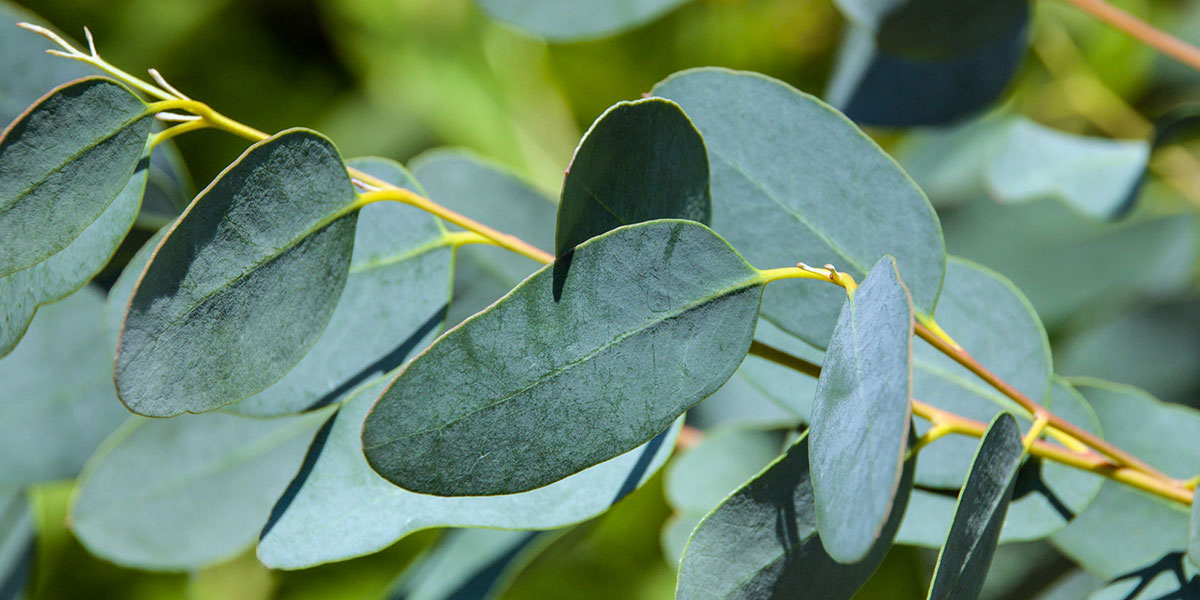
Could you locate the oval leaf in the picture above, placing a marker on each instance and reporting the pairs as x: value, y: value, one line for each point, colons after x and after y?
x: 1047, y: 496
x: 337, y: 507
x: 652, y: 319
x: 862, y: 413
x: 762, y: 541
x: 63, y: 162
x: 964, y: 561
x: 989, y: 317
x: 777, y: 157
x: 489, y: 193
x: 243, y: 284
x: 57, y: 393
x: 1097, y: 177
x: 572, y: 21
x: 640, y: 161
x: 1125, y: 530
x: 393, y: 305
x: 23, y: 291
x: 178, y: 494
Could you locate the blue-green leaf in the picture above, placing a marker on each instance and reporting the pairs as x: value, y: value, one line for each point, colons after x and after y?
x: 1097, y: 177
x: 490, y: 194
x: 17, y: 540
x: 468, y: 564
x: 762, y: 541
x: 862, y: 414
x: 178, y: 494
x: 653, y: 318
x: 776, y: 157
x: 1125, y: 530
x: 982, y: 505
x: 244, y: 282
x: 1153, y: 347
x: 1066, y: 263
x: 57, y: 393
x: 572, y: 21
x: 337, y: 507
x: 393, y: 304
x: 640, y: 161
x: 725, y: 459
x: 23, y: 291
x: 1047, y: 495
x: 993, y: 321
x: 62, y: 163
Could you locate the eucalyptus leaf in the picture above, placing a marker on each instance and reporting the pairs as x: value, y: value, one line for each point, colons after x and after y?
x: 1125, y: 530
x: 466, y: 563
x: 965, y: 559
x: 121, y: 291
x: 1170, y: 578
x: 640, y: 161
x: 57, y: 393
x: 179, y: 494
x: 337, y: 507
x: 1048, y: 495
x: 62, y: 162
x: 489, y: 193
x: 1153, y: 347
x: 726, y: 458
x: 23, y: 291
x: 244, y: 282
x: 777, y: 156
x: 1097, y: 177
x: 862, y: 415
x: 653, y: 318
x: 1193, y: 549
x: 675, y: 533
x: 393, y: 303
x: 17, y: 539
x: 994, y: 322
x: 762, y: 541
x: 573, y: 21
x: 1066, y: 263
x: 935, y: 28
x: 875, y: 84
x: 949, y: 162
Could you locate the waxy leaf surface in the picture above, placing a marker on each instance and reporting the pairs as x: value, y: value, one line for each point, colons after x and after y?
x: 392, y: 306
x: 989, y: 318
x: 467, y: 563
x: 1047, y: 494
x: 1097, y: 177
x: 1067, y: 263
x: 762, y: 541
x: 17, y: 541
x: 640, y: 161
x: 982, y: 505
x: 243, y: 283
x: 725, y: 459
x: 23, y: 291
x: 776, y: 158
x: 570, y: 21
x: 1125, y: 530
x: 877, y: 85
x: 56, y: 389
x: 488, y: 193
x: 651, y: 319
x: 862, y: 415
x: 183, y: 493
x: 337, y: 507
x: 63, y: 162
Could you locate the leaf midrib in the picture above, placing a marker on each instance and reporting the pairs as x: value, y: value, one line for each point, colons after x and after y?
x: 70, y: 159
x: 721, y: 294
